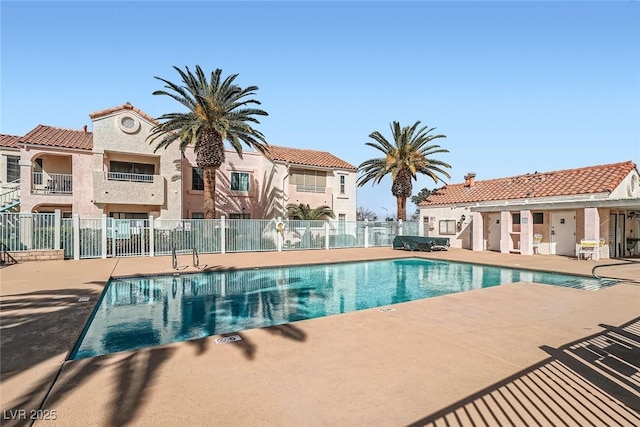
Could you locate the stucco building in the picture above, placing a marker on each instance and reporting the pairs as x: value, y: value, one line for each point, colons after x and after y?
x: 596, y: 203
x: 113, y: 170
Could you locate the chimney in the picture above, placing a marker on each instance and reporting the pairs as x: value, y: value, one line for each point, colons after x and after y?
x: 470, y: 179
x: 85, y: 128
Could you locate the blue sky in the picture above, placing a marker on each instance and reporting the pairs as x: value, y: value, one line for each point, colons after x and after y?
x: 515, y: 86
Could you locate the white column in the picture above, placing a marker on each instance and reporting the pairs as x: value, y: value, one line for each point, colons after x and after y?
x: 366, y: 233
x: 76, y: 236
x: 592, y: 229
x: 526, y: 232
x: 152, y: 248
x: 56, y: 229
x: 223, y: 237
x: 591, y: 224
x: 477, y: 231
x: 505, y: 230
x: 103, y: 225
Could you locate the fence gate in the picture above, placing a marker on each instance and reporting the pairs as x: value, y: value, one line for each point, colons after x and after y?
x: 127, y: 237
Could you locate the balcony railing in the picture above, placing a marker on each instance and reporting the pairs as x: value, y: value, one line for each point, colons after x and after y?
x: 52, y: 183
x: 309, y: 189
x: 131, y: 177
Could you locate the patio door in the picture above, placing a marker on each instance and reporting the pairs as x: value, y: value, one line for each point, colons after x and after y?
x: 493, y: 239
x: 563, y: 233
x: 616, y: 233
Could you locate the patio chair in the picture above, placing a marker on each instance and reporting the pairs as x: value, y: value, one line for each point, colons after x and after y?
x: 537, y: 239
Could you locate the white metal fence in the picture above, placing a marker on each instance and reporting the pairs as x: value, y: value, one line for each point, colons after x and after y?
x: 108, y: 237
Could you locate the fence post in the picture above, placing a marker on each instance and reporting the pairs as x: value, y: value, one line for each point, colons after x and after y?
x: 366, y: 232
x: 151, y: 237
x: 56, y: 229
x: 103, y: 226
x: 399, y: 228
x: 76, y: 236
x: 279, y: 234
x: 223, y: 236
x: 326, y: 233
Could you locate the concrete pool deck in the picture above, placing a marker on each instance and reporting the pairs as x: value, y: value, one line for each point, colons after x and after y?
x: 523, y: 354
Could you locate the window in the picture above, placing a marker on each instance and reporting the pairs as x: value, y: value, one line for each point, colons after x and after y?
x: 448, y: 226
x: 197, y: 181
x: 197, y: 215
x: 239, y: 216
x: 309, y: 181
x: 342, y: 183
x: 516, y: 218
x: 538, y: 218
x: 239, y: 181
x: 13, y: 168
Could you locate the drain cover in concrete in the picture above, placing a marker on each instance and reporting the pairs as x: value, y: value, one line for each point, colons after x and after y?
x: 228, y: 339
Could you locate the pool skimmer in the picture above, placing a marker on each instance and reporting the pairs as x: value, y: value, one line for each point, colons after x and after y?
x: 84, y: 299
x: 386, y: 309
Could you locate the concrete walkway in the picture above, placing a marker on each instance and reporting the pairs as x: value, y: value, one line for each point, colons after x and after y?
x: 521, y: 354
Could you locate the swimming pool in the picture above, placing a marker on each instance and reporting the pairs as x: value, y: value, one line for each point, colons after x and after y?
x: 147, y: 311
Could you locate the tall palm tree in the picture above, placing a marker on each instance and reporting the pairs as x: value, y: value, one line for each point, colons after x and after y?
x: 304, y: 212
x: 218, y: 110
x: 409, y: 155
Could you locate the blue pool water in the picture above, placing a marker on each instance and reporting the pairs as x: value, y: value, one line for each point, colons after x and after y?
x: 147, y: 311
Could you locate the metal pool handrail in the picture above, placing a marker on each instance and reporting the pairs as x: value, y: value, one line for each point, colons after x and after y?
x: 196, y: 260
x: 628, y: 261
x: 174, y: 258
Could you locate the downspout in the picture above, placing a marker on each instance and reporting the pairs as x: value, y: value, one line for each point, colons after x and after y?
x: 284, y: 192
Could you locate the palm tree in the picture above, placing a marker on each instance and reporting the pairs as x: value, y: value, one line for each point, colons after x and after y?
x: 218, y: 110
x: 410, y: 155
x: 304, y: 212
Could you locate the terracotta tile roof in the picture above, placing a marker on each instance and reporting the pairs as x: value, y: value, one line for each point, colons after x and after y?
x: 126, y: 106
x: 57, y: 137
x: 10, y: 141
x: 299, y: 156
x: 587, y: 180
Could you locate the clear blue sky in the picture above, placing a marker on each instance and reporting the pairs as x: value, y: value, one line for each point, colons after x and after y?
x: 516, y: 86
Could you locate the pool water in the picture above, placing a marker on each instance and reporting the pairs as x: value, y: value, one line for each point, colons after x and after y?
x: 146, y: 311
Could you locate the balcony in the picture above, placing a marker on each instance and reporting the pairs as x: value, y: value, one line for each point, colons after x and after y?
x: 130, y: 177
x: 128, y: 188
x: 51, y: 183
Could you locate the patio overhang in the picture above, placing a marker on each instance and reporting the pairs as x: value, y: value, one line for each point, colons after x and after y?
x: 518, y: 205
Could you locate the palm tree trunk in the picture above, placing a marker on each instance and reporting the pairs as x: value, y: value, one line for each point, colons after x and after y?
x: 209, y: 175
x: 402, y: 208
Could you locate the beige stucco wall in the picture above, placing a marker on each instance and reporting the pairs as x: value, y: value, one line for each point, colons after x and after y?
x: 265, y: 198
x: 462, y: 236
x: 343, y: 203
x: 254, y: 202
x: 80, y: 167
x: 624, y: 190
x: 110, y: 142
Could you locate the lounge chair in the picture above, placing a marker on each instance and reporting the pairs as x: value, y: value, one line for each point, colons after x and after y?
x: 537, y: 239
x: 419, y: 243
